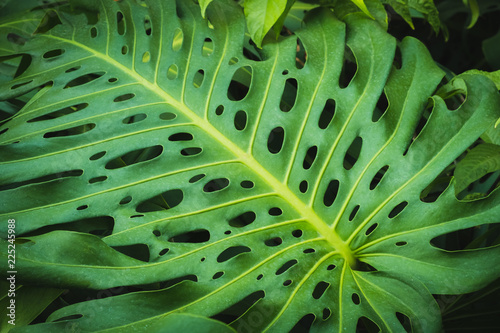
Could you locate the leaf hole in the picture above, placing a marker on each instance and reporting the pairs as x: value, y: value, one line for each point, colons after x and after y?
x: 217, y: 275
x: 353, y: 213
x: 191, y: 151
x: 134, y: 119
x: 134, y: 157
x: 195, y: 237
x: 125, y: 200
x: 163, y: 252
x: 260, y: 276
x: 310, y: 157
x: 327, y: 114
x: 275, y: 140
x: 97, y: 179
x: 84, y: 79
x: 331, y: 193
x: 405, y: 321
x: 420, y: 126
x: 326, y: 313
x: 146, y: 57
x: 349, y: 68
x: 286, y: 266
x: 398, y: 209
x: 53, y: 53
x: 120, y: 23
x: 112, y: 80
x: 208, y: 47
x: 181, y: 136
x: 242, y: 220
x: 330, y: 267
x: 124, y: 97
x: 240, y: 83
x: 161, y: 202
x: 240, y: 120
x: 310, y: 250
x: 371, y: 229
x: 93, y: 32
x: 289, y: 95
x: 401, y: 243
x: 72, y: 69
x: 82, y: 207
x: 198, y: 78
x: 304, y: 324
x: 233, y: 61
x: 227, y: 232
x: 168, y: 116
x: 300, y: 55
x: 238, y: 309
x: 378, y: 177
x: 196, y: 178
x: 215, y: 185
x: 97, y: 156
x: 287, y: 283
x: 303, y: 186
x: 297, y: 233
x: 275, y: 211
x: 124, y: 49
x: 352, y: 154
x: 380, y: 108
x: 355, y: 299
x: 16, y: 39
x: 157, y: 233
x: 219, y: 110
x: 455, y: 100
x: 477, y: 237
x: 232, y: 252
x: 172, y: 72
x: 177, y: 40
x: 247, y: 184
x: 148, y: 29
x: 272, y: 242
x: 434, y: 190
x: 285, y: 72
x: 70, y: 131
x: 320, y: 289
x: 60, y: 113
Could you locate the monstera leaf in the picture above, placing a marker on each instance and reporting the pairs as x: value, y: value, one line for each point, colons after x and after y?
x: 156, y: 148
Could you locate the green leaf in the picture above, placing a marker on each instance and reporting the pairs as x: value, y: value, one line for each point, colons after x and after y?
x: 261, y: 15
x: 234, y: 183
x: 479, y: 161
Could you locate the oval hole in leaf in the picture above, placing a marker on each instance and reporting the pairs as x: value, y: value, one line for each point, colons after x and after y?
x: 327, y: 114
x: 286, y: 266
x: 72, y: 69
x: 349, y: 68
x: 287, y: 283
x: 355, y: 299
x: 403, y: 243
x: 310, y: 157
x: 172, y: 72
x: 198, y: 78
x: 195, y: 236
x: 136, y: 156
x: 181, y: 136
x: 275, y: 211
x: 353, y: 213
x: 330, y: 267
x: 82, y: 207
x: 191, y: 151
x: 331, y: 192
x: 275, y: 241
x: 434, y: 190
x: 240, y: 120
x: 309, y: 250
x: 232, y: 252
x: 297, y: 233
x: 371, y: 229
x: 53, y: 53
x: 240, y: 83
x: 124, y: 97
x: 125, y: 200
x: 93, y: 32
x: 326, y: 313
x: 178, y: 39
x: 196, y: 178
x: 70, y: 131
x: 320, y: 289
x: 219, y: 110
x: 289, y: 95
x: 275, y: 140
x: 247, y: 184
x: 163, y: 201
x: 83, y: 79
x: 398, y: 209
x: 208, y: 47
x: 61, y: 112
x: 120, y: 23
x: 303, y: 186
x: 147, y: 26
x: 304, y: 324
x: 300, y: 55
x: 217, y: 275
x: 168, y: 116
x: 381, y: 108
x: 146, y: 57
x: 243, y: 220
x: 163, y: 252
x: 378, y: 177
x: 352, y: 154
x: 136, y: 251
x: 135, y: 118
x: 215, y: 185
x: 97, y: 156
x: 97, y: 179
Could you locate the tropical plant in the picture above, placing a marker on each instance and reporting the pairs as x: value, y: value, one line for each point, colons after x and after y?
x: 206, y: 184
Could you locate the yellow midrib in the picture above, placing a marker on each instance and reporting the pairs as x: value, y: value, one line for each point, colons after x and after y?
x: 281, y: 189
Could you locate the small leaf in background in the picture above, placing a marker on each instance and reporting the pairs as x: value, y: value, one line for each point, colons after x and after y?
x: 474, y: 9
x: 479, y: 161
x: 261, y: 15
x: 204, y: 4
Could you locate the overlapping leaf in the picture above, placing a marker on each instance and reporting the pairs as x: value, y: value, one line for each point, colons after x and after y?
x: 241, y: 184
